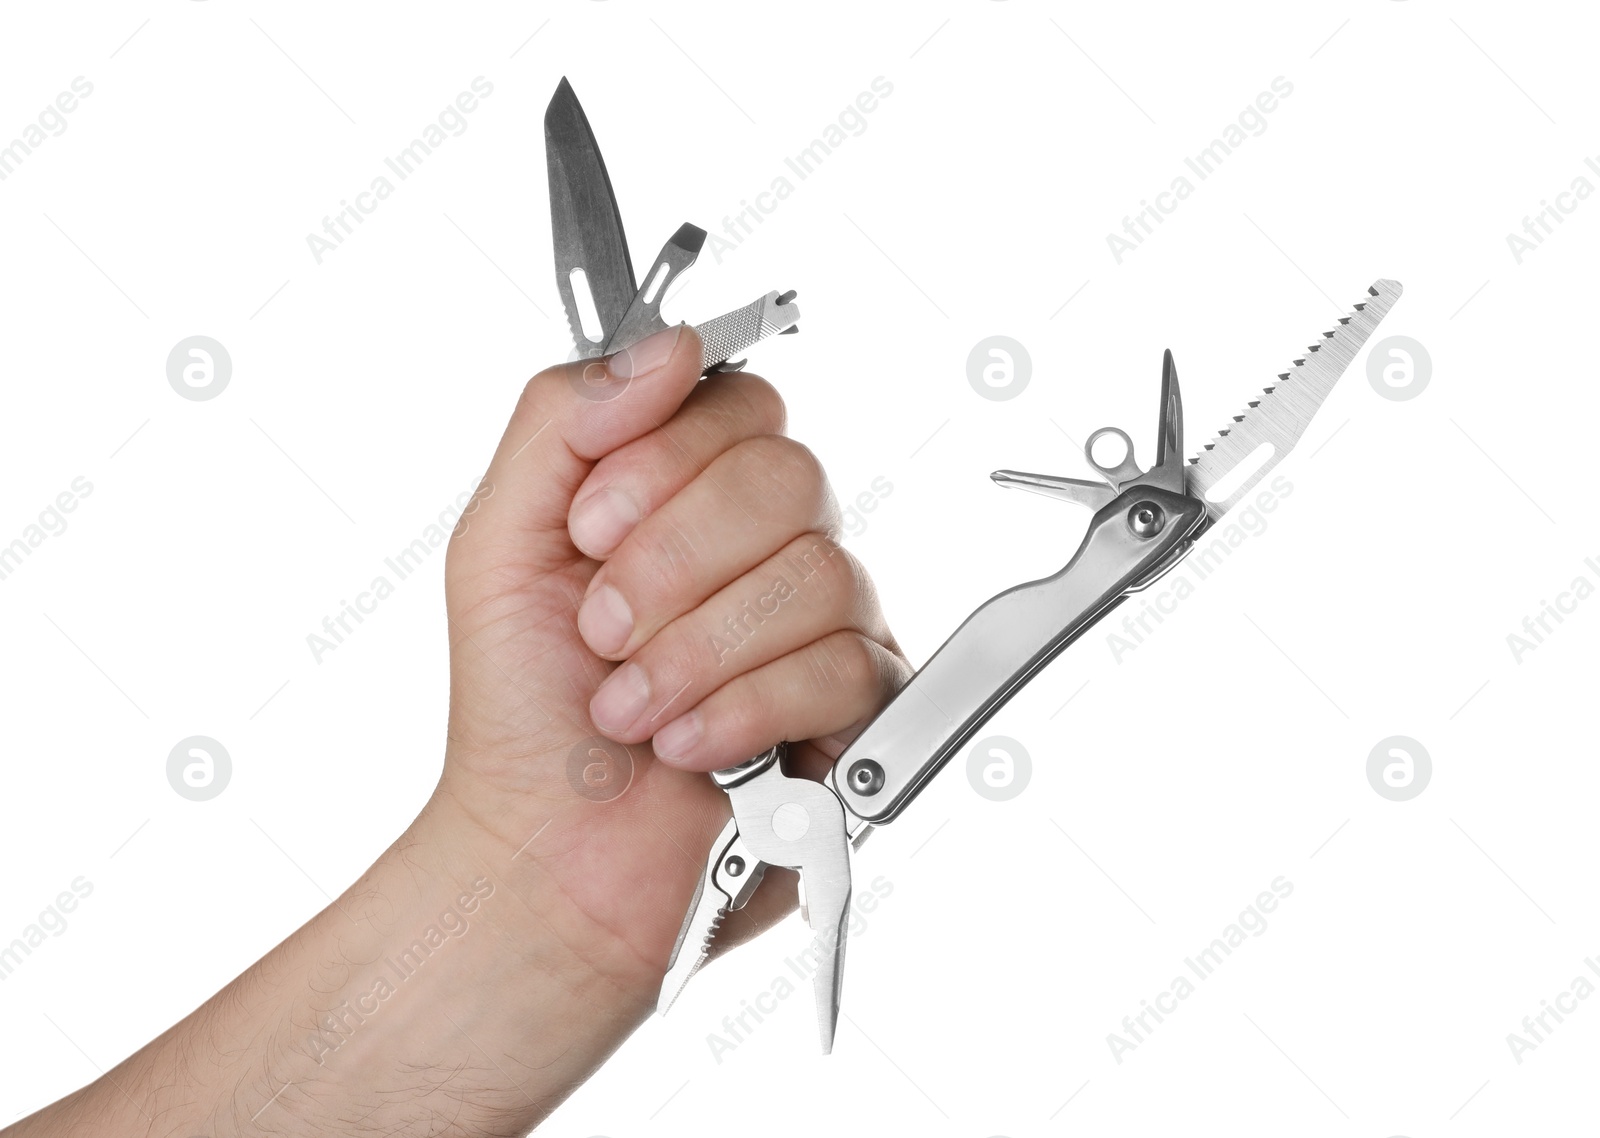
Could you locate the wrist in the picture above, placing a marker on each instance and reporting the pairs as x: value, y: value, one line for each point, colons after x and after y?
x: 442, y: 990
x: 451, y: 957
x: 537, y: 927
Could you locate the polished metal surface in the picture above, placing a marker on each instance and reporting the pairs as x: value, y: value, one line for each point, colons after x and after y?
x: 1000, y: 647
x: 728, y: 881
x: 800, y: 825
x: 1280, y: 415
x: 1011, y: 636
x: 777, y: 821
x: 1078, y: 491
x: 1144, y: 522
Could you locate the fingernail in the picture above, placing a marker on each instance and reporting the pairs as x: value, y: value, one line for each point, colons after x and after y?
x: 647, y: 355
x: 674, y: 741
x: 605, y: 621
x: 620, y: 699
x: 601, y: 521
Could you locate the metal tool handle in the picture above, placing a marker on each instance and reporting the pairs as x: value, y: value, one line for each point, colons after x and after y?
x: 1001, y: 645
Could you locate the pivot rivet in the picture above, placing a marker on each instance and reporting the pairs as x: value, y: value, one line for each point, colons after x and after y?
x: 1145, y: 519
x: 865, y: 777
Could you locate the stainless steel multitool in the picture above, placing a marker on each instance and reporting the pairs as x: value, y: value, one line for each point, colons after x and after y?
x: 1144, y: 522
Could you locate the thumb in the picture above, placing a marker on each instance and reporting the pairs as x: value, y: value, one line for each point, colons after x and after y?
x: 568, y: 418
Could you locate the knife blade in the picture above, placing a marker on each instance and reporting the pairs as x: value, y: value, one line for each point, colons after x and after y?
x: 591, y: 250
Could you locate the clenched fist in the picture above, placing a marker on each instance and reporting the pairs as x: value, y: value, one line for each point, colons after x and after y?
x: 647, y: 559
x: 650, y: 587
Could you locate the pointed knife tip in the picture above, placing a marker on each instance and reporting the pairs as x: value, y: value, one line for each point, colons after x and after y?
x: 563, y: 97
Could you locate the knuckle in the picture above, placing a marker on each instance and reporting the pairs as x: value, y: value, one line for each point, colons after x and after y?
x: 639, y: 470
x: 739, y: 717
x: 678, y: 675
x: 845, y: 663
x: 815, y: 562
x: 799, y: 466
x: 778, y: 463
x: 761, y: 403
x: 536, y: 391
x: 651, y: 570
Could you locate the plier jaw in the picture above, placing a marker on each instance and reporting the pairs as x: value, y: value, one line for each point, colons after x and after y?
x: 792, y: 823
x: 728, y: 882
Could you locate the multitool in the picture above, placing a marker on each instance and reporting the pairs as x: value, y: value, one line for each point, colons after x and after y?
x: 1144, y: 522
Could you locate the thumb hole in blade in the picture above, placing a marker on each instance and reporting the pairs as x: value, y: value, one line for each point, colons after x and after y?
x: 588, y: 314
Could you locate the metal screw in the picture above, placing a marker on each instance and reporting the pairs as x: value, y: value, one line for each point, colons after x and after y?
x: 1146, y: 519
x: 734, y: 866
x: 866, y: 777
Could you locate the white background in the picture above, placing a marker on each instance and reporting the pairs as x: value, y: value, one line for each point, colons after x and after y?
x: 1228, y: 749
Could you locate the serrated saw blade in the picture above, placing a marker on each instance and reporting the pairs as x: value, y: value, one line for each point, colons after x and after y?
x: 1283, y: 411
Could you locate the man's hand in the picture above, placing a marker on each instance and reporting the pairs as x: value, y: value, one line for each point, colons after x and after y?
x: 648, y: 558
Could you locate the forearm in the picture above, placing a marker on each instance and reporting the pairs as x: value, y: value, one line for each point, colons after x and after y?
x: 448, y: 991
